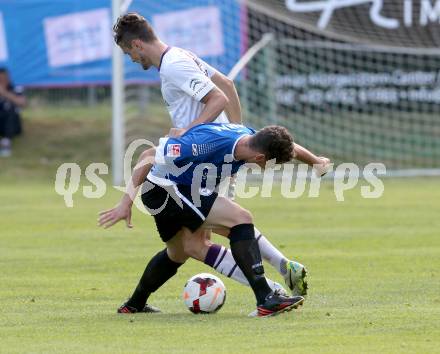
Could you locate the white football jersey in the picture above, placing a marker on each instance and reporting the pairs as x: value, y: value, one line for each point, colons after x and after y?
x: 186, y: 79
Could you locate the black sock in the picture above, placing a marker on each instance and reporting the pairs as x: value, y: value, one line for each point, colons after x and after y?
x: 158, y: 271
x: 244, y: 248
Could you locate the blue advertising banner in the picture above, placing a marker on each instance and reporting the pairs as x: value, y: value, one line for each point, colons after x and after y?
x: 69, y: 43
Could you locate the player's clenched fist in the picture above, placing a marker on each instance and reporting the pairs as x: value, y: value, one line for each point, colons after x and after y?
x: 322, y: 168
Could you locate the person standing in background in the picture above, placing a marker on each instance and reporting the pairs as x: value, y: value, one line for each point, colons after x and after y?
x: 11, y: 100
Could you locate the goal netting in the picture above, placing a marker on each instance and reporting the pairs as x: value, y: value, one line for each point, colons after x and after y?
x: 350, y: 90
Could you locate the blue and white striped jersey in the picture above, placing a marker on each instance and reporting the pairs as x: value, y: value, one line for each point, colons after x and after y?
x: 203, y: 155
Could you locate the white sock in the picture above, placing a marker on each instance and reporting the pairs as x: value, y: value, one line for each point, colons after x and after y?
x: 270, y: 253
x: 220, y: 258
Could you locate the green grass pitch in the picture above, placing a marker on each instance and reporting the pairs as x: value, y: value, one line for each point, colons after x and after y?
x: 374, y: 277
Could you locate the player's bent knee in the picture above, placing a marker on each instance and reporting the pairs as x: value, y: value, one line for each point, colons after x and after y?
x: 176, y: 255
x: 243, y: 217
x: 196, y: 246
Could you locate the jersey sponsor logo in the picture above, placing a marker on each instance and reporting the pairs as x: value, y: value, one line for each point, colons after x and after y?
x: 195, y: 150
x: 200, y: 89
x: 194, y: 83
x: 173, y: 150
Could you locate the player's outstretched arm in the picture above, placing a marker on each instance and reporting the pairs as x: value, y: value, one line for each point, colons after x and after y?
x: 320, y: 164
x: 233, y: 108
x: 122, y: 211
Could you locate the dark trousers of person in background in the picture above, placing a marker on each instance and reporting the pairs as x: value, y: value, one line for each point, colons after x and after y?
x: 10, y: 127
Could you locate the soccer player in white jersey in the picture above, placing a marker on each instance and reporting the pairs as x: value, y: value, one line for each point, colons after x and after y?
x: 196, y: 93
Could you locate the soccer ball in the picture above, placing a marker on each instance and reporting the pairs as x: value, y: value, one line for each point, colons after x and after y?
x: 204, y: 293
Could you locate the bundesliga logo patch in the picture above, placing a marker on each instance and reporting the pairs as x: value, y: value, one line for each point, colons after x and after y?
x: 173, y: 150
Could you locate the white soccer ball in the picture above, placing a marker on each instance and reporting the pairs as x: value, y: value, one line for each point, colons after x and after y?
x: 204, y: 293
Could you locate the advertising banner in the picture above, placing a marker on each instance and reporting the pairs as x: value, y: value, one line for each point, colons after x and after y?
x: 397, y: 23
x: 69, y: 43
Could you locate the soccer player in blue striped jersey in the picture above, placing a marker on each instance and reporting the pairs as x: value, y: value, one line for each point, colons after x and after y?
x: 206, y: 145
x: 182, y: 170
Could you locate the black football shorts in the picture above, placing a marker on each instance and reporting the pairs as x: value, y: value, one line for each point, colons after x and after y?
x: 172, y: 207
